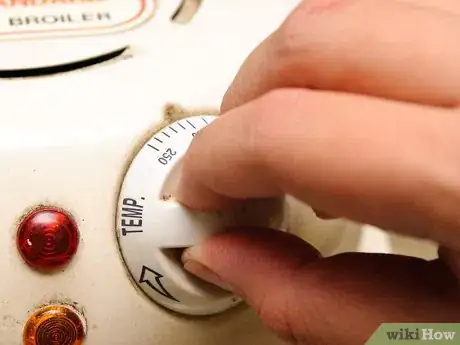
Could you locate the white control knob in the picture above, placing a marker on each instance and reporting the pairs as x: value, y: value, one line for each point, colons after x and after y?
x: 153, y: 228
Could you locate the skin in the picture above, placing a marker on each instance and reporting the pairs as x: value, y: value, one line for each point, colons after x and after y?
x: 360, y: 98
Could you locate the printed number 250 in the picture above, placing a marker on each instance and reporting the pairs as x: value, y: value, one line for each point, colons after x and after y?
x: 167, y: 156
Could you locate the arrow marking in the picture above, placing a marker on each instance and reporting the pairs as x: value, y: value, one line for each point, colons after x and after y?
x: 154, y: 283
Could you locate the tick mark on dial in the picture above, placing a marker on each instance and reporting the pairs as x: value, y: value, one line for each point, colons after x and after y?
x: 165, y: 134
x: 158, y: 140
x: 180, y: 124
x: 153, y: 147
x: 191, y: 124
x: 204, y: 120
x: 173, y: 130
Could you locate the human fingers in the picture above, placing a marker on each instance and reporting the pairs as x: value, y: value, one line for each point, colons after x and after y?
x: 389, y: 49
x: 337, y: 300
x: 451, y: 258
x: 444, y: 5
x: 393, y: 165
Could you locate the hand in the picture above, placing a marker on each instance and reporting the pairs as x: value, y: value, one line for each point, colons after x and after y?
x: 351, y: 106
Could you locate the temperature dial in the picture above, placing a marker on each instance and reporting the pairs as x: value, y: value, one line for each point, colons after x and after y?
x: 153, y: 228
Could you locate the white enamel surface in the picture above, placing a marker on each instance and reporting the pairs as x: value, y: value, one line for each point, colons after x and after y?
x: 66, y: 42
x: 68, y: 139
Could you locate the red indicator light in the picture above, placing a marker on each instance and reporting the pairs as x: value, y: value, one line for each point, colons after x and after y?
x: 54, y: 325
x: 47, y: 239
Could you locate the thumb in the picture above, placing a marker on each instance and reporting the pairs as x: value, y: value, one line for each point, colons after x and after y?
x: 317, y: 301
x: 451, y: 258
x: 267, y: 256
x: 256, y: 264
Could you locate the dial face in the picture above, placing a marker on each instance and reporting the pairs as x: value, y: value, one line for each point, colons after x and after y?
x: 153, y: 229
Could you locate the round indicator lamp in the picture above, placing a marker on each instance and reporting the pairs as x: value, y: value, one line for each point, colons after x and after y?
x: 54, y: 325
x: 47, y: 239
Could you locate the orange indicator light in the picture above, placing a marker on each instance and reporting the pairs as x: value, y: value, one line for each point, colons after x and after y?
x: 54, y: 325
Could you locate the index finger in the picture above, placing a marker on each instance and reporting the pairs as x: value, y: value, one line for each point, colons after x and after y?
x: 390, y: 164
x: 349, y: 46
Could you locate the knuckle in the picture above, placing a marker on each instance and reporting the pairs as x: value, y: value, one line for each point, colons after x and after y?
x: 262, y: 127
x: 309, y: 24
x: 270, y: 117
x: 275, y: 314
x: 279, y: 98
x: 285, y: 313
x: 280, y: 104
x: 290, y: 36
x: 276, y: 119
x: 322, y: 6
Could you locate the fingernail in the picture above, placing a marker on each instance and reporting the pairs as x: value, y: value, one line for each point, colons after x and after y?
x: 191, y: 258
